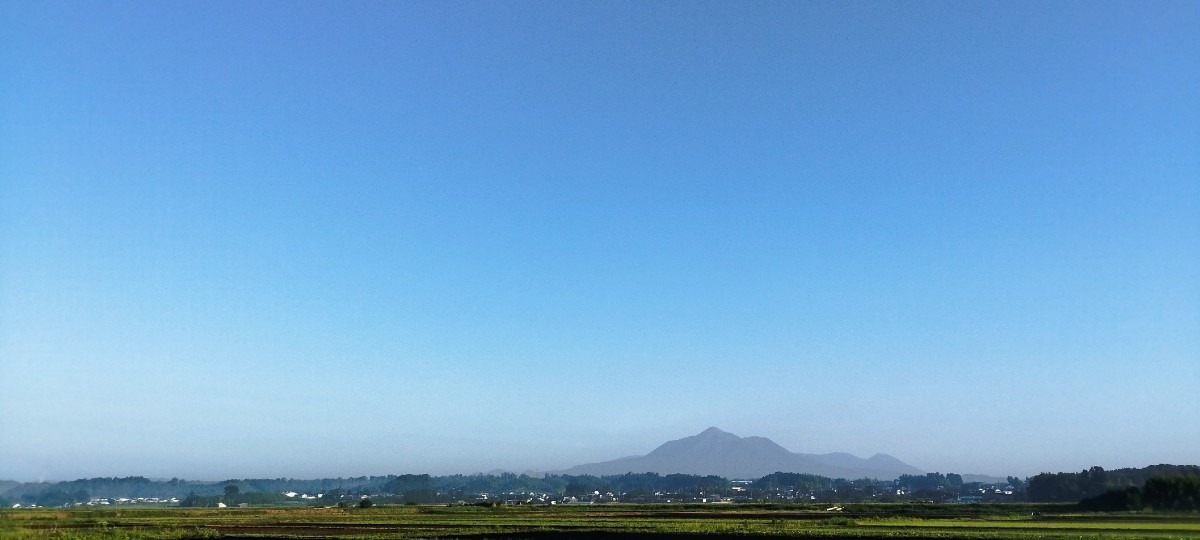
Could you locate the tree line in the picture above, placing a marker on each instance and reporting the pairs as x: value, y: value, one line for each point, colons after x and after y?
x: 1093, y: 482
x: 1158, y: 486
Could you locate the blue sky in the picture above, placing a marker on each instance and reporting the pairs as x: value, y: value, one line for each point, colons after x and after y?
x: 318, y: 239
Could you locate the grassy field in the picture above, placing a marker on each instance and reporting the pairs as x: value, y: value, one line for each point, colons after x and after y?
x: 627, y: 522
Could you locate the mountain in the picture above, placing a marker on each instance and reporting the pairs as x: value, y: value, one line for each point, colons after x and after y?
x: 6, y: 485
x: 724, y: 454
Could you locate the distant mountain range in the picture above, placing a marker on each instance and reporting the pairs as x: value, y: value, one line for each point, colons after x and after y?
x: 724, y: 454
x: 6, y: 485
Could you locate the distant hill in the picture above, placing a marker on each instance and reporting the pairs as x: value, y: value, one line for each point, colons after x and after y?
x: 724, y: 454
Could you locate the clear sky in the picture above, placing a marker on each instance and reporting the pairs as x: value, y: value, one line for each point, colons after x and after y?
x: 304, y: 239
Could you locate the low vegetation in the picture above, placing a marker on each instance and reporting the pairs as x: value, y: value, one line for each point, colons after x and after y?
x: 624, y: 521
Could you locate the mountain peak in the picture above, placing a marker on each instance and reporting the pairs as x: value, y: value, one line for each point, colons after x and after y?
x: 713, y: 432
x: 714, y: 451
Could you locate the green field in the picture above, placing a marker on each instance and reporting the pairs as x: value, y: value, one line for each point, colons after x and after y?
x: 627, y: 522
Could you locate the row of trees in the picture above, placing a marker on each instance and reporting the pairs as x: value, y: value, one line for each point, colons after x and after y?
x: 1176, y: 494
x: 233, y: 496
x: 1116, y: 488
x: 634, y: 486
x: 132, y: 487
x: 931, y: 486
x: 423, y: 488
x: 1093, y: 482
x: 49, y: 497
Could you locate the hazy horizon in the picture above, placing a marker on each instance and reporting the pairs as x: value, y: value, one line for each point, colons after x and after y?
x: 537, y: 470
x: 318, y: 239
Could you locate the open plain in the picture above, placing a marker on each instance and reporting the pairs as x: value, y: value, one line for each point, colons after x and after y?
x: 627, y: 522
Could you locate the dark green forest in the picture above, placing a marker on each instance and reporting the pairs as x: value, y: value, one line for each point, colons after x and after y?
x: 1180, y: 494
x: 1074, y: 487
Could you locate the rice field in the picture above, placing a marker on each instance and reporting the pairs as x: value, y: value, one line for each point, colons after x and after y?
x: 625, y: 522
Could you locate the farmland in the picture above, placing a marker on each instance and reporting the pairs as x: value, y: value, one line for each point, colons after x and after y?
x: 628, y: 522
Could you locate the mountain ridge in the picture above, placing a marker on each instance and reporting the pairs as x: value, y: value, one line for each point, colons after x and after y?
x: 721, y: 453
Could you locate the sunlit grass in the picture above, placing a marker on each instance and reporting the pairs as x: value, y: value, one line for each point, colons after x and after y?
x: 872, y: 522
